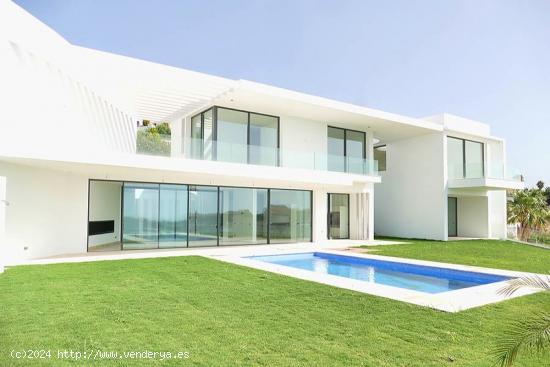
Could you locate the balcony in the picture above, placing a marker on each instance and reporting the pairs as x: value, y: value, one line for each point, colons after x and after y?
x: 496, y: 176
x: 215, y: 151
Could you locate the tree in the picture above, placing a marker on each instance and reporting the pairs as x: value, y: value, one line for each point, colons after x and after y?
x: 529, y: 334
x: 530, y: 210
x: 540, y: 185
x: 154, y: 140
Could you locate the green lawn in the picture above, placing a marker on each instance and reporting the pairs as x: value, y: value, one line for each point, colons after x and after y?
x: 487, y: 253
x: 228, y: 315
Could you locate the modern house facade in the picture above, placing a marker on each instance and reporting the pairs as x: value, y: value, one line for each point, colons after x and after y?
x: 88, y: 163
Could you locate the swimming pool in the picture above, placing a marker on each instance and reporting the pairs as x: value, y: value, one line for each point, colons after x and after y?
x: 427, y: 279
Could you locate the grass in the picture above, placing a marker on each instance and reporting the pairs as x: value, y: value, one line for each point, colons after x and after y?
x: 486, y: 253
x: 226, y: 315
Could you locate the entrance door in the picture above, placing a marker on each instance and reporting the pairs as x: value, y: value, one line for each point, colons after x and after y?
x: 452, y: 216
x: 338, y: 216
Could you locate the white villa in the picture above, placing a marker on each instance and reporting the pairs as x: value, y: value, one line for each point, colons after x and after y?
x: 243, y: 163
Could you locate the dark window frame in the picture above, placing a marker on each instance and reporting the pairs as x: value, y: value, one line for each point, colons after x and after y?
x: 346, y: 168
x: 455, y: 198
x: 188, y: 185
x: 381, y: 146
x: 214, y: 109
x: 463, y: 140
x: 328, y: 216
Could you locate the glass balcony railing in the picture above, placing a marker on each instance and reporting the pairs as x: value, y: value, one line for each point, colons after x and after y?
x: 268, y: 156
x: 496, y: 170
x: 501, y: 171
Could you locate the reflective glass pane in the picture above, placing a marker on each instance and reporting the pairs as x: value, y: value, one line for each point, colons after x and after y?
x: 243, y: 216
x: 203, y: 216
x: 208, y: 137
x: 336, y: 159
x: 355, y: 151
x: 140, y: 219
x: 455, y: 158
x: 263, y: 139
x: 173, y: 216
x: 338, y: 216
x: 290, y: 216
x: 196, y: 137
x: 232, y: 136
x: 474, y: 159
x: 380, y: 157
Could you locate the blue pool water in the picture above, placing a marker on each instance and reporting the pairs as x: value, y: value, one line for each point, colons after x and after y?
x: 421, y: 278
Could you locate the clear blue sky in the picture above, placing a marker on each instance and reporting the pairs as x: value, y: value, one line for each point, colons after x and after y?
x: 486, y: 60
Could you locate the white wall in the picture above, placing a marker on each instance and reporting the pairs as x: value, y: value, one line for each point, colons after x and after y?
x: 105, y: 205
x: 497, y: 213
x: 46, y: 109
x: 47, y: 214
x: 300, y: 140
x: 411, y: 200
x: 320, y: 215
x: 3, y: 204
x: 472, y: 217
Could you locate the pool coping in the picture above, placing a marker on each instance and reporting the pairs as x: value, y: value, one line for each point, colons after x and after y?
x: 451, y: 301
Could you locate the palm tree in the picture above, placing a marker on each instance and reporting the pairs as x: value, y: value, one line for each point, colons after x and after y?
x: 528, y: 208
x: 529, y: 334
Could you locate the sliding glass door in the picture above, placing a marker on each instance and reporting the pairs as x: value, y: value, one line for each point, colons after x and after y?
x: 173, y: 216
x: 346, y: 150
x: 231, y: 135
x: 140, y: 216
x: 203, y: 216
x: 355, y: 151
x: 264, y: 140
x: 336, y: 159
x: 338, y: 216
x: 158, y: 215
x: 464, y: 158
x: 243, y: 216
x: 289, y: 216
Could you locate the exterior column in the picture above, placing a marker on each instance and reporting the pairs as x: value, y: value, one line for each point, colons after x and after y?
x: 371, y: 215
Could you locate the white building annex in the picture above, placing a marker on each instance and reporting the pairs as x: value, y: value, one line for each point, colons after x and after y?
x: 244, y: 163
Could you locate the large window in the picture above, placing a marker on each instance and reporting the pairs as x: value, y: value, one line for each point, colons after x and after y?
x: 173, y: 216
x: 290, y: 216
x: 203, y: 216
x: 336, y: 149
x: 134, y: 215
x: 231, y: 135
x: 380, y: 157
x: 338, y: 216
x: 464, y: 158
x: 264, y: 140
x: 346, y: 150
x: 202, y: 135
x: 243, y: 216
x: 141, y: 216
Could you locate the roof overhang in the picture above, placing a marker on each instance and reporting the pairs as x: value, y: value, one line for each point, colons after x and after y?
x: 485, y: 183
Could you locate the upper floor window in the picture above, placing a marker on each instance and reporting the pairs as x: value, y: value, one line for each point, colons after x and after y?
x: 231, y: 135
x: 346, y: 150
x: 380, y: 157
x: 464, y: 158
